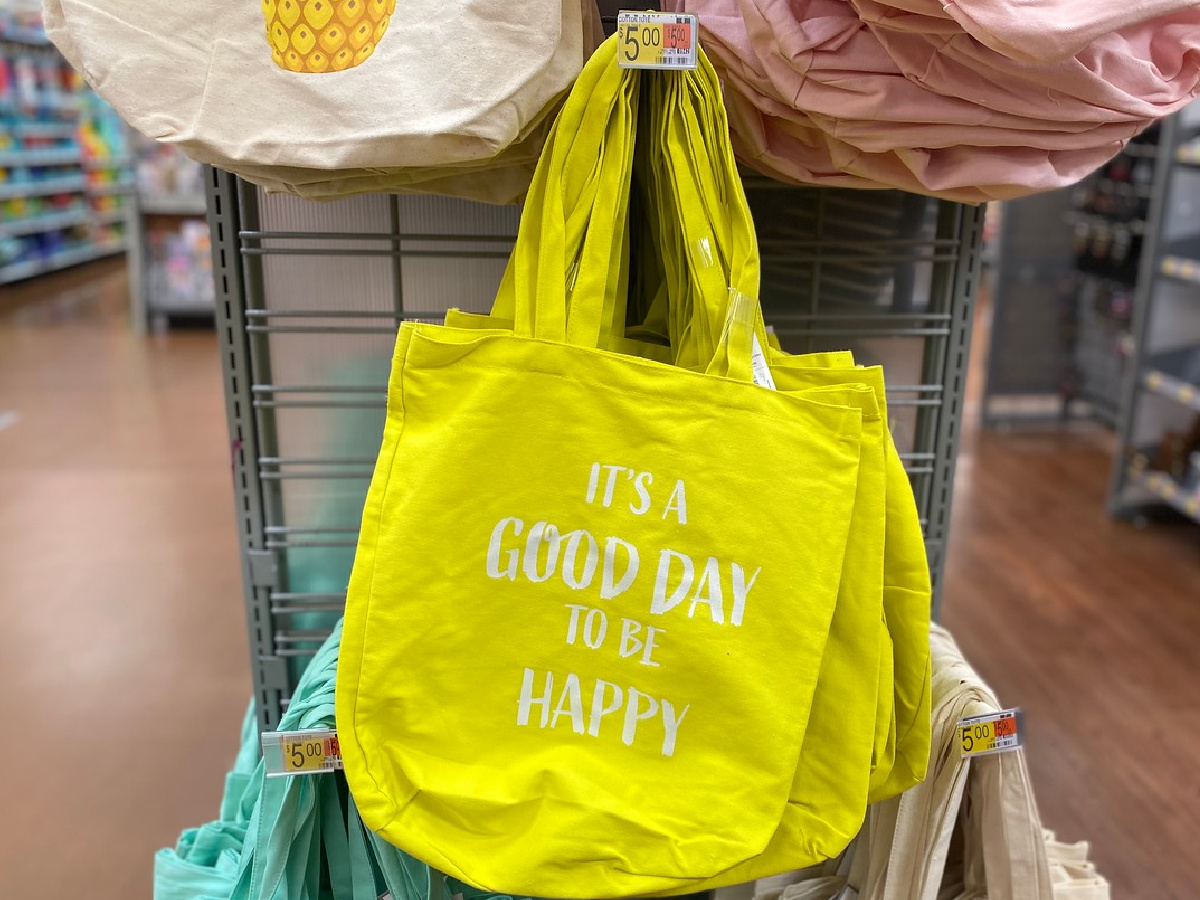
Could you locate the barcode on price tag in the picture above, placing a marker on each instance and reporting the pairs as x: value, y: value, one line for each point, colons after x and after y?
x: 994, y: 733
x: 656, y: 41
x: 301, y: 752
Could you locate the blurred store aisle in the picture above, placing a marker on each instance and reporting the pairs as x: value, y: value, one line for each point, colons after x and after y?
x: 122, y: 649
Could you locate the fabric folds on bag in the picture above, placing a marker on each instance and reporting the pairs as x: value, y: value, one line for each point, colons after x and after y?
x: 972, y: 101
x: 324, y: 98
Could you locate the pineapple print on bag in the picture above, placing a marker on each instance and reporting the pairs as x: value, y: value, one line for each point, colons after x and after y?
x: 325, y: 35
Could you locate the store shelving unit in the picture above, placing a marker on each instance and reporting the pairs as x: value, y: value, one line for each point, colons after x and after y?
x: 1030, y: 280
x: 1063, y: 294
x: 64, y: 259
x: 1158, y: 459
x: 63, y: 169
x: 170, y: 251
x: 172, y: 205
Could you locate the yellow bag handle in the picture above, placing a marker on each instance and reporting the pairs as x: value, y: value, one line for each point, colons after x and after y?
x: 723, y: 254
x: 563, y: 137
x: 576, y: 252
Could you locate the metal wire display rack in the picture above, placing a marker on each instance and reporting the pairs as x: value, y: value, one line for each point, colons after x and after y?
x: 309, y: 297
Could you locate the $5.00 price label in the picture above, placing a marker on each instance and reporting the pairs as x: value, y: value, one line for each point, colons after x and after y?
x: 656, y: 41
x: 995, y: 733
x: 301, y: 752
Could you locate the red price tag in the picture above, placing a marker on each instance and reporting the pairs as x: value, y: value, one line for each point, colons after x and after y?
x: 677, y: 36
x: 301, y: 752
x: 1005, y: 727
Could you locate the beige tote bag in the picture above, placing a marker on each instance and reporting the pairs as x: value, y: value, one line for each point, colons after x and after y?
x: 971, y: 831
x: 326, y: 84
x: 502, y: 179
x: 1073, y: 875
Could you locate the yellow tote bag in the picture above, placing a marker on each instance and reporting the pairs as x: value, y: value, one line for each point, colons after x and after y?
x: 867, y: 710
x: 825, y: 763
x: 551, y: 665
x: 903, y: 756
x: 902, y: 760
x: 907, y: 598
x: 902, y: 721
x: 903, y: 746
x: 832, y: 775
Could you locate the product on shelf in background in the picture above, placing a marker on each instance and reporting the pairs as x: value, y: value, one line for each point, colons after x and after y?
x: 21, y: 21
x: 59, y: 142
x: 171, y: 245
x: 162, y: 171
x: 1111, y: 209
x: 180, y: 267
x: 1159, y: 456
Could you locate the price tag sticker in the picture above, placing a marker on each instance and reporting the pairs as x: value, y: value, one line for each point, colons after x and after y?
x: 301, y: 752
x: 994, y: 733
x: 656, y: 41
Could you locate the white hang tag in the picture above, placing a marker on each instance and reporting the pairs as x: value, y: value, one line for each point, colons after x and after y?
x: 762, y: 371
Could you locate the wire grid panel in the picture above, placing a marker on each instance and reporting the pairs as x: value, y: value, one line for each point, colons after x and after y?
x: 311, y: 321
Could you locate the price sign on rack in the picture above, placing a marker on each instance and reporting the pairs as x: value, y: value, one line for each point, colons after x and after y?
x: 656, y: 41
x: 301, y: 752
x: 995, y: 733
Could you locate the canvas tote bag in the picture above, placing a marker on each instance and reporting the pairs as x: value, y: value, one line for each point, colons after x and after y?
x: 326, y: 84
x: 907, y: 710
x: 831, y: 776
x: 902, y: 754
x: 901, y: 758
x: 907, y: 594
x: 843, y: 769
x: 909, y: 842
x: 551, y: 763
x: 502, y: 178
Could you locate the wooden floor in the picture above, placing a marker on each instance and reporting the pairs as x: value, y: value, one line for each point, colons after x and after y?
x: 1093, y: 628
x: 122, y: 648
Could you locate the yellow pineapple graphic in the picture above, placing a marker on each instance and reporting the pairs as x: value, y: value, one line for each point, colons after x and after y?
x: 325, y: 35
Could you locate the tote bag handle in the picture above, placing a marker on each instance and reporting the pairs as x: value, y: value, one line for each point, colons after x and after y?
x: 566, y: 277
x: 581, y: 161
